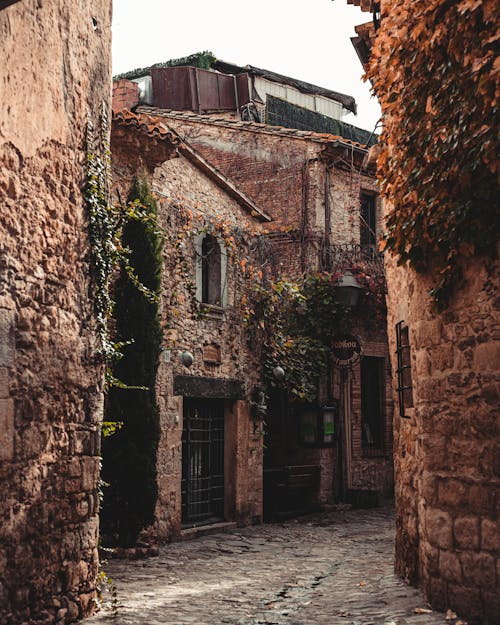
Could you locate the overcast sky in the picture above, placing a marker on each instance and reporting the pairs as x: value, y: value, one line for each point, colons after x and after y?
x: 304, y: 39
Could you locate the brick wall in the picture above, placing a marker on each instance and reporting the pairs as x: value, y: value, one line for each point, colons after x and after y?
x: 56, y: 69
x: 125, y: 94
x: 446, y: 452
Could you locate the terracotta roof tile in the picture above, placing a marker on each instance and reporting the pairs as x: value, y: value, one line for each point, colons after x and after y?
x: 308, y: 135
x: 145, y: 123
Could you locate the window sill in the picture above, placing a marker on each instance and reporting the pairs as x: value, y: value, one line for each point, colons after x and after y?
x: 211, y: 311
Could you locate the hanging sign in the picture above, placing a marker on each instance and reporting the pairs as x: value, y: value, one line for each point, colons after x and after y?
x: 346, y: 350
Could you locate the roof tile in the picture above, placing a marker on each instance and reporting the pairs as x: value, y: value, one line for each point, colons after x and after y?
x: 309, y: 135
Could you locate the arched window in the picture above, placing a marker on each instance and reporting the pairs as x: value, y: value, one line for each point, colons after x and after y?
x: 210, y: 271
x: 211, y: 261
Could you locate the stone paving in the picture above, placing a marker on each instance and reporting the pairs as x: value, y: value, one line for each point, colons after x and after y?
x: 329, y: 569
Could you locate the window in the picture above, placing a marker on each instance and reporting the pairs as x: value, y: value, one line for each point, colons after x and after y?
x: 405, y: 387
x: 210, y: 271
x: 368, y: 223
x: 317, y: 425
x: 211, y: 263
x: 372, y: 402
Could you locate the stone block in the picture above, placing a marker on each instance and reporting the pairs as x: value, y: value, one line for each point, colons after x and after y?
x: 438, y: 528
x: 90, y: 473
x: 449, y: 567
x: 74, y: 467
x: 490, y: 535
x: 428, y: 332
x: 478, y: 569
x: 4, y: 383
x: 491, y: 601
x: 466, y: 532
x: 430, y: 560
x: 465, y: 601
x: 487, y: 356
x: 7, y: 340
x: 481, y: 499
x: 452, y: 493
x: 6, y: 429
x: 435, y: 591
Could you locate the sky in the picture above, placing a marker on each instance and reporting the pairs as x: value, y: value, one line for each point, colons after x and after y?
x: 304, y: 39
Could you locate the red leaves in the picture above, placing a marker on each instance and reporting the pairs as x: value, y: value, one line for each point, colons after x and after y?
x: 434, y: 71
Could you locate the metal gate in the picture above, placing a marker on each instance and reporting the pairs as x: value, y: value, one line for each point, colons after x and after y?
x: 203, y: 461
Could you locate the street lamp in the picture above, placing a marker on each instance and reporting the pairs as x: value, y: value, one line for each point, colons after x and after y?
x: 348, y: 290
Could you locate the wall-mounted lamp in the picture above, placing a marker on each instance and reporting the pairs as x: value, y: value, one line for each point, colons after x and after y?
x: 348, y: 290
x: 185, y: 356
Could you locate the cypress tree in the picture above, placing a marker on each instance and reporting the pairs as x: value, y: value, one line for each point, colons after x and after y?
x: 129, y: 455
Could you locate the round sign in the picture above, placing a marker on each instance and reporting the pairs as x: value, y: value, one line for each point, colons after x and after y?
x: 346, y: 350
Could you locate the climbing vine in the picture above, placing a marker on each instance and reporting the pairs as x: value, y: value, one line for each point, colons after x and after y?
x: 294, y: 321
x: 108, y: 254
x: 438, y: 164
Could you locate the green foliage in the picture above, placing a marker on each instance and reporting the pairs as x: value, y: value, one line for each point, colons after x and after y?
x: 129, y: 456
x: 203, y: 60
x: 294, y: 322
x: 105, y: 222
x: 439, y: 159
x: 107, y: 594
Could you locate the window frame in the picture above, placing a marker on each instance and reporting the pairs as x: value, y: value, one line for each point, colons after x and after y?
x: 200, y: 276
x: 323, y: 437
x: 404, y: 386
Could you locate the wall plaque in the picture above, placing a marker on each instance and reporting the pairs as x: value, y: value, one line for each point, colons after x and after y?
x: 212, y: 354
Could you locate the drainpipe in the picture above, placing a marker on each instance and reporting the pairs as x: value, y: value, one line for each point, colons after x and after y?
x: 328, y: 217
x: 344, y: 449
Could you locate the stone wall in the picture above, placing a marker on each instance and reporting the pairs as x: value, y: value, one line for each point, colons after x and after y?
x: 446, y: 452
x: 188, y: 198
x: 55, y: 70
x: 180, y: 184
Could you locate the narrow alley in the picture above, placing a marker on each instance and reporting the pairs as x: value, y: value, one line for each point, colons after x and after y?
x: 329, y: 569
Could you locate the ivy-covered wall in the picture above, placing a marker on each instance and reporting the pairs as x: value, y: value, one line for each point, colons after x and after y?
x: 438, y: 173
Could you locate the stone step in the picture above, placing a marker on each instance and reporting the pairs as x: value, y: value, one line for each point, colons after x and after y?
x: 204, y: 530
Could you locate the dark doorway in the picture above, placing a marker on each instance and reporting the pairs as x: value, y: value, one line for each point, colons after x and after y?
x: 202, y: 461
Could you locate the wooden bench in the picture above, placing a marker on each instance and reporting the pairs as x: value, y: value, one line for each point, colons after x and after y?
x: 290, y: 490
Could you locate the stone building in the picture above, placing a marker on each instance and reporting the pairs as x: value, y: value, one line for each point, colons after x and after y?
x: 446, y: 417
x: 209, y: 462
x: 316, y: 207
x: 55, y: 72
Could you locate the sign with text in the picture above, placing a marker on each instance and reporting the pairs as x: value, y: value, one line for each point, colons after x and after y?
x: 346, y: 350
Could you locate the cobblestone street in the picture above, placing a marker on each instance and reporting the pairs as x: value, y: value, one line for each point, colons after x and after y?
x: 329, y: 569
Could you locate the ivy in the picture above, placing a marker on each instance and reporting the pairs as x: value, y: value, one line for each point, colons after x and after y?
x: 294, y: 321
x: 108, y: 254
x: 438, y: 165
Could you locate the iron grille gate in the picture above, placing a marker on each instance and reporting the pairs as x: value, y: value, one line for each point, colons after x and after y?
x: 203, y: 461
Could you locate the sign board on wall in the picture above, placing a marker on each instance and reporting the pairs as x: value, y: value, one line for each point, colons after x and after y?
x: 346, y: 350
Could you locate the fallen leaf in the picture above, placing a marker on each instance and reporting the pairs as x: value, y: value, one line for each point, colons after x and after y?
x: 422, y: 611
x: 450, y: 615
x: 363, y: 583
